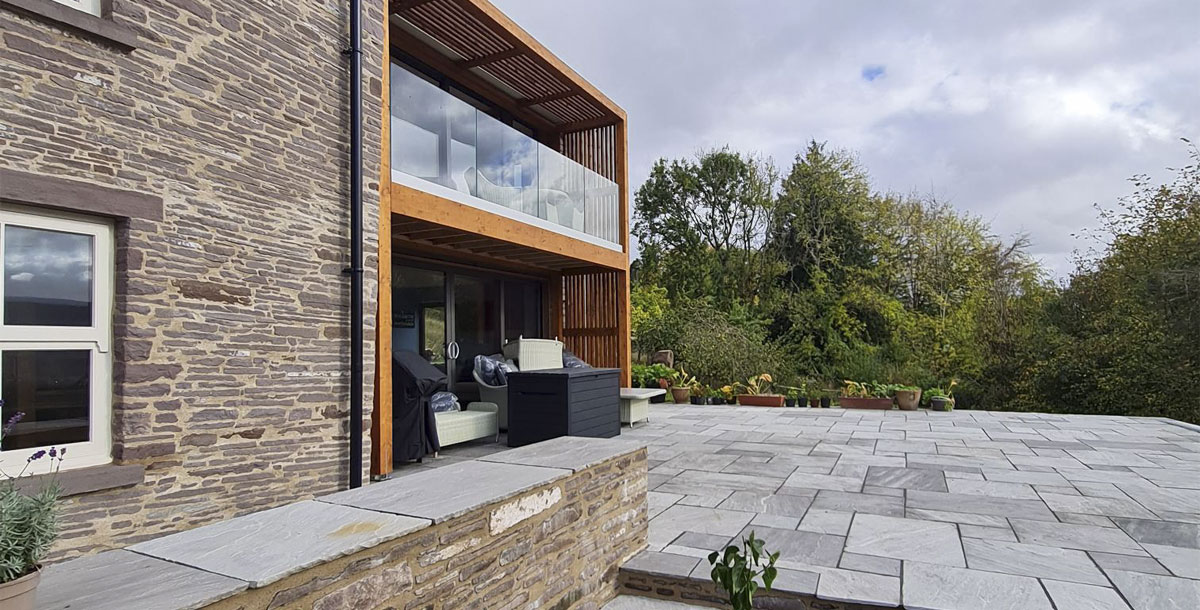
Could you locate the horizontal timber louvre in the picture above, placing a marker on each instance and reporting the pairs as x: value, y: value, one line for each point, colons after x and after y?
x: 589, y: 316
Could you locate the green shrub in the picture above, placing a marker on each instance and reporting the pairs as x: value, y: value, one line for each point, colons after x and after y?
x: 717, y: 352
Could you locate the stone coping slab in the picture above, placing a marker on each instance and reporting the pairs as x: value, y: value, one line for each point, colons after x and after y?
x: 261, y: 548
x: 572, y: 452
x: 120, y: 580
x: 449, y: 491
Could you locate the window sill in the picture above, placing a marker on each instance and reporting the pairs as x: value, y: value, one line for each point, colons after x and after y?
x: 60, y: 14
x: 87, y: 480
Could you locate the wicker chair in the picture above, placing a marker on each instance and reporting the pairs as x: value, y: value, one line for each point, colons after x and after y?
x: 495, y: 394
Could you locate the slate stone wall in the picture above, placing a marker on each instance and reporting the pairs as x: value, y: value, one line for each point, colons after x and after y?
x: 556, y: 546
x: 230, y: 349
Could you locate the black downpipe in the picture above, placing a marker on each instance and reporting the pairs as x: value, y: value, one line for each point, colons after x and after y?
x: 356, y: 247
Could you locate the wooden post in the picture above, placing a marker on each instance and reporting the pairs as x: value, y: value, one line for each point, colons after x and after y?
x: 624, y: 347
x: 381, y: 420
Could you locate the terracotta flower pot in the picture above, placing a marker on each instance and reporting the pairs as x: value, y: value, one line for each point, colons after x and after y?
x: 18, y: 594
x: 761, y: 400
x: 882, y: 404
x: 908, y: 400
x: 680, y: 395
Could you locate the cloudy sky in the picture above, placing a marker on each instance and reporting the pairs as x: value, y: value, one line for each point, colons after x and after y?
x: 1025, y: 113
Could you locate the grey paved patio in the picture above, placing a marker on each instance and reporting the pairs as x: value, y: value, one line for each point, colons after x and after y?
x: 966, y: 510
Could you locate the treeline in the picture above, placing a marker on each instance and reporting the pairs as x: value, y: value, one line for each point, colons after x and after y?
x: 811, y: 276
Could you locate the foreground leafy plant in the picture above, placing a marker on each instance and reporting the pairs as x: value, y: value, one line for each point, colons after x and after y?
x: 28, y: 523
x: 735, y: 570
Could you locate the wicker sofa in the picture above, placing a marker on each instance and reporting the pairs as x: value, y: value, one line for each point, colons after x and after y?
x: 478, y: 420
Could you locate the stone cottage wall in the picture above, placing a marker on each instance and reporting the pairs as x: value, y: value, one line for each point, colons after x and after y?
x: 230, y: 348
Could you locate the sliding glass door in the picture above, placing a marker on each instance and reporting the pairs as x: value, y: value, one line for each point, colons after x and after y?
x: 476, y: 322
x: 449, y: 315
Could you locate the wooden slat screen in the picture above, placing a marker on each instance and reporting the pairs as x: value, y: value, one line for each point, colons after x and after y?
x: 596, y: 149
x: 590, y: 310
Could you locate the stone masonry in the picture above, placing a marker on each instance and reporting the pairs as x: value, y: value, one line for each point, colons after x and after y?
x: 502, y: 532
x: 565, y: 554
x: 230, y: 349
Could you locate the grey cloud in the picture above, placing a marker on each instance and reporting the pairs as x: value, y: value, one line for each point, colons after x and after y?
x: 1025, y: 113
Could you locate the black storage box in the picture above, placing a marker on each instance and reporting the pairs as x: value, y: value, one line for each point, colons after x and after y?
x: 563, y: 402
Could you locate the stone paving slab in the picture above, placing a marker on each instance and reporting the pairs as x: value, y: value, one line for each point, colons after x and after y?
x: 572, y: 452
x: 449, y: 491
x: 898, y: 538
x: 121, y: 580
x: 983, y: 510
x: 263, y: 547
x: 933, y: 587
x: 1151, y: 592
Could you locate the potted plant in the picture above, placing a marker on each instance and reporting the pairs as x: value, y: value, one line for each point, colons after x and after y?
x: 681, y: 386
x: 865, y: 395
x: 791, y: 393
x: 826, y: 399
x: 713, y: 396
x: 735, y: 570
x: 941, y: 400
x: 699, y: 394
x: 29, y: 525
x: 727, y: 392
x: 756, y: 392
x: 656, y: 375
x: 908, y: 397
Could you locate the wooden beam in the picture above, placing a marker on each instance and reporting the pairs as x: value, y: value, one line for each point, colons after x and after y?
x: 381, y: 414
x: 427, y: 251
x: 507, y: 29
x: 586, y: 125
x: 431, y: 208
x: 494, y: 57
x: 547, y: 98
x: 411, y: 45
x: 399, y: 6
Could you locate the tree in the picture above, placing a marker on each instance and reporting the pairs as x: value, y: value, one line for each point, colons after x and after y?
x: 1128, y: 322
x: 700, y: 224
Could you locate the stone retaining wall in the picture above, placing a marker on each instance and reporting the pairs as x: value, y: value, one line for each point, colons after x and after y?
x: 558, y: 543
x: 558, y: 546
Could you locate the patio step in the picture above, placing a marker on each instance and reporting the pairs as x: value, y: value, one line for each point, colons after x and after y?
x: 633, y: 602
x: 684, y: 580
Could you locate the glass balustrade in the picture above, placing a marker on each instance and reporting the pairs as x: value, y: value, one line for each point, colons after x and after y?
x: 444, y: 140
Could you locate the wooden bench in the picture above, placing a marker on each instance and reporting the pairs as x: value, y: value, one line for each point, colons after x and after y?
x: 635, y: 403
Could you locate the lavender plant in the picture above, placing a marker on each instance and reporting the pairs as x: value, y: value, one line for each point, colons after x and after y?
x: 28, y: 522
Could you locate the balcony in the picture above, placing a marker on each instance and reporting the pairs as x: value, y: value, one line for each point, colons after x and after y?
x: 444, y: 145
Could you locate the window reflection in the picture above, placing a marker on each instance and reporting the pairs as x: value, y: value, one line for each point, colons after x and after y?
x: 52, y: 390
x: 47, y: 277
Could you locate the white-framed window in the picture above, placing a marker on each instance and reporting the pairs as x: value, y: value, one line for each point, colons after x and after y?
x: 91, y: 7
x: 55, y: 337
